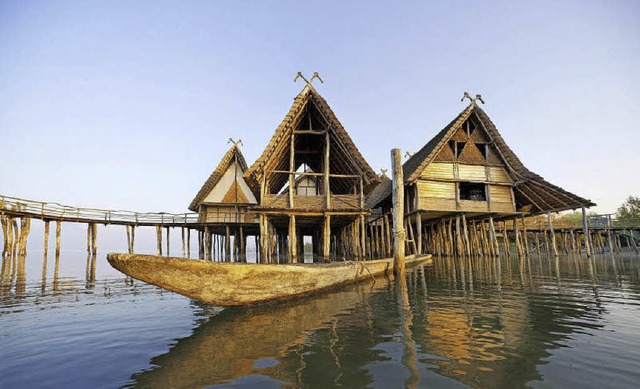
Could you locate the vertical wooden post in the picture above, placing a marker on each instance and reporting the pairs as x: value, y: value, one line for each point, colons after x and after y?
x: 327, y: 188
x: 553, y: 235
x: 632, y: 241
x: 3, y: 222
x: 159, y: 240
x: 89, y: 230
x: 419, y: 232
x: 398, y: 213
x: 465, y: 235
x: 46, y: 238
x: 168, y: 242
x: 58, y: 231
x: 293, y: 240
x: 94, y: 239
x: 128, y: 229
x: 292, y: 169
x: 363, y: 236
x: 585, y: 231
x: 184, y: 249
x: 263, y: 237
x: 326, y: 239
x: 133, y: 238
x: 206, y: 236
x: 505, y: 236
x: 227, y: 244
x: 526, y: 239
x: 517, y: 237
x: 188, y: 242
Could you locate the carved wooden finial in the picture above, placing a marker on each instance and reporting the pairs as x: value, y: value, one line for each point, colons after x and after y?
x: 472, y: 99
x: 309, y: 82
x: 235, y: 142
x: 383, y: 172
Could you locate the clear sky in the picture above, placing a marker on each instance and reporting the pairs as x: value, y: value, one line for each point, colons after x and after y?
x: 129, y: 104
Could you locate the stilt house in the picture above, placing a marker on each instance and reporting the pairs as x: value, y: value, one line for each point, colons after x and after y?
x: 311, y: 180
x: 467, y: 170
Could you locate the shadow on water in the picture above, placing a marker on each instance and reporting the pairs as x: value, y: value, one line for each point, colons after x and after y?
x: 483, y: 322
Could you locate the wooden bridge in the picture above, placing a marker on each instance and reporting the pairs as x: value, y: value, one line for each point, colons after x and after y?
x: 15, y: 235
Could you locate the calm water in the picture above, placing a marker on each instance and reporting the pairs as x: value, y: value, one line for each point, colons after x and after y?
x: 481, y: 323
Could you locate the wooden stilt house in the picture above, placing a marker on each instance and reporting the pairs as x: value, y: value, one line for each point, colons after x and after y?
x: 467, y: 172
x: 224, y: 207
x: 311, y: 181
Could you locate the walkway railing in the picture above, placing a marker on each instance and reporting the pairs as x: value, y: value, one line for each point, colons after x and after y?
x: 54, y: 211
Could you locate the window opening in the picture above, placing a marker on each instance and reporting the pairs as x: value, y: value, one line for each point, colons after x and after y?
x: 473, y: 191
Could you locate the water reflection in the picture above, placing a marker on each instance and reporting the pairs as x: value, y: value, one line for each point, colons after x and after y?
x: 483, y: 322
x: 471, y: 321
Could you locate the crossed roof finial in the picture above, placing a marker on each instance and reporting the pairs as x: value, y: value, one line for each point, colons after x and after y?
x: 472, y: 99
x: 383, y: 172
x: 235, y: 142
x: 309, y: 82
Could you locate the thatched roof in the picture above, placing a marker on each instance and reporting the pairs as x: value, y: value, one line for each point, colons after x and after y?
x: 234, y: 154
x: 530, y: 188
x: 311, y: 113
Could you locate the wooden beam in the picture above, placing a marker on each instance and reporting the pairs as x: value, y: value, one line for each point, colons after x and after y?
x: 398, y: 212
x: 327, y: 188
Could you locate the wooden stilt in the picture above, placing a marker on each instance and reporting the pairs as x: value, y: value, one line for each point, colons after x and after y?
x: 362, y: 233
x: 398, y: 213
x: 133, y: 239
x: 188, y: 242
x: 206, y: 239
x: 526, y: 239
x: 293, y: 240
x: 537, y: 242
x: 184, y: 248
x: 58, y: 231
x: 585, y: 231
x: 419, y: 233
x: 517, y: 237
x: 227, y: 244
x: 326, y: 240
x: 159, y: 239
x: 89, y: 231
x: 128, y: 229
x: 5, y: 239
x: 94, y: 239
x: 494, y: 238
x: 168, y: 242
x: 46, y: 239
x: 465, y: 235
x: 553, y: 235
x: 505, y: 236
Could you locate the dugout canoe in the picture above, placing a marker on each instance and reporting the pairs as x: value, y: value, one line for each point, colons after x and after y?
x: 237, y: 284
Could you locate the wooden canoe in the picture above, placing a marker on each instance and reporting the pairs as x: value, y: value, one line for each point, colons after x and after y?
x: 236, y: 284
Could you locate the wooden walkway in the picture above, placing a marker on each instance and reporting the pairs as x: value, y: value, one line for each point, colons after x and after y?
x: 16, y: 207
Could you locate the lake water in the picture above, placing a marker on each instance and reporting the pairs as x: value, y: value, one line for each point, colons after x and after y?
x: 479, y: 322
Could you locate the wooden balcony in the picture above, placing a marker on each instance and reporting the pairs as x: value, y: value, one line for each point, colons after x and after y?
x: 313, y: 203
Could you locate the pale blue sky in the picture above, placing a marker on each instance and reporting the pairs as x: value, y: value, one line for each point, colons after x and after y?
x: 128, y: 105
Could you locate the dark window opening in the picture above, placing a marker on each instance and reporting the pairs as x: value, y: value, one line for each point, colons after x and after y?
x: 483, y: 149
x: 459, y: 147
x: 472, y: 191
x: 452, y: 146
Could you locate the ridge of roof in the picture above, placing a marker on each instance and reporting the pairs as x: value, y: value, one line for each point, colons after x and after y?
x: 217, y: 174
